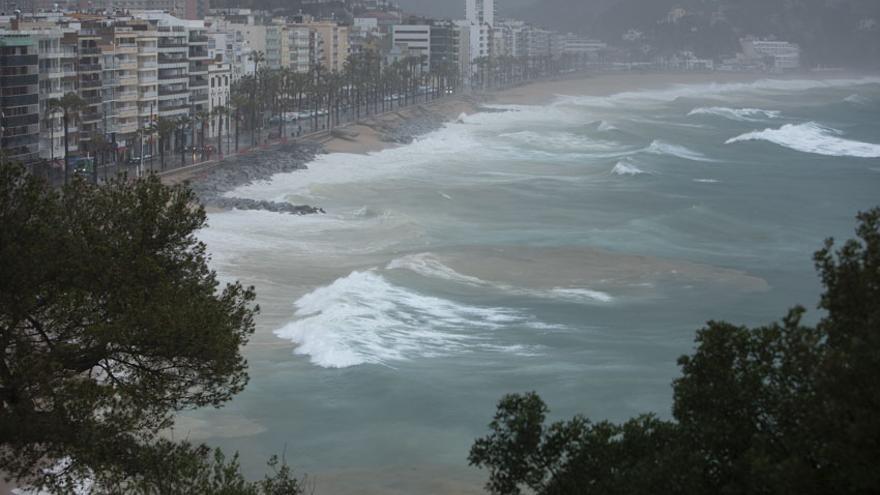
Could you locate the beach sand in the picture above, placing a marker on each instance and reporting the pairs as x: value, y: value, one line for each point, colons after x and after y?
x: 366, y: 135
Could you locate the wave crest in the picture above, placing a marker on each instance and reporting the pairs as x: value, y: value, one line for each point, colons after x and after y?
x: 364, y: 319
x: 812, y: 138
x: 626, y: 168
x: 662, y: 148
x: 738, y: 114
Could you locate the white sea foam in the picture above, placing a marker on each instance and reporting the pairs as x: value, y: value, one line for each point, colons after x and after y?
x: 662, y: 148
x: 427, y: 265
x: 707, y: 181
x: 582, y: 294
x: 857, y: 99
x: 605, y: 126
x: 365, y: 319
x: 561, y: 141
x: 812, y: 138
x: 671, y: 93
x: 739, y: 114
x: 626, y: 168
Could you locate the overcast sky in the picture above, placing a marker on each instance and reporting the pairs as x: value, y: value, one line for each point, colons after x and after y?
x: 453, y: 8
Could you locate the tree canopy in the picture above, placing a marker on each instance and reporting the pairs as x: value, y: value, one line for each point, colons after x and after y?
x: 110, y: 323
x: 784, y: 408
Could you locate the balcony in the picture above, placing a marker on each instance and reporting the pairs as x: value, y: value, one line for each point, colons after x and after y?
x: 20, y: 120
x: 146, y: 95
x: 198, y: 97
x: 126, y: 49
x: 130, y: 112
x: 89, y: 68
x: 90, y: 83
x: 19, y: 100
x: 198, y: 83
x: 89, y: 50
x: 173, y: 108
x: 198, y: 38
x: 23, y: 140
x: 148, y: 80
x: 18, y: 60
x: 23, y: 80
x: 93, y: 100
x: 172, y: 44
x: 91, y: 116
x: 126, y: 96
x: 173, y: 92
x: 147, y: 65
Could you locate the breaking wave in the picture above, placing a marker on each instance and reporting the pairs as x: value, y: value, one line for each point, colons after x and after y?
x: 812, y: 138
x: 365, y: 319
x: 662, y: 148
x: 738, y: 114
x: 626, y: 168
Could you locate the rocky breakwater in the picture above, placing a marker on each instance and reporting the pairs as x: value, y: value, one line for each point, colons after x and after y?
x: 409, y: 124
x: 211, y: 185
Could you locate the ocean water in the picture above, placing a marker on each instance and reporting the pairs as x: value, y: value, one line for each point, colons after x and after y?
x: 571, y: 248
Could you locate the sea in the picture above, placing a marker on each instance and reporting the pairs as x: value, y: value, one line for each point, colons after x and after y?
x: 572, y: 249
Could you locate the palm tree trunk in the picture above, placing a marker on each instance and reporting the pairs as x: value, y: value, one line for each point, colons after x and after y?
x: 66, y: 150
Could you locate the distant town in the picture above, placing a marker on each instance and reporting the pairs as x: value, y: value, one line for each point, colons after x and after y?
x: 134, y: 62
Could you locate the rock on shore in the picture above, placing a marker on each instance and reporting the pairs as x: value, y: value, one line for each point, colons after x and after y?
x: 236, y: 171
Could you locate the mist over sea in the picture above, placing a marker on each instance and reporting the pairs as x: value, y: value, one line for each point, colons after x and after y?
x: 571, y: 248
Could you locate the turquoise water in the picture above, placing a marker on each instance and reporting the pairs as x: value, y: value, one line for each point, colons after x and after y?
x: 571, y: 248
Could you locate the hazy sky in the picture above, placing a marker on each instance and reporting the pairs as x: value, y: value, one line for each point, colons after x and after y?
x: 453, y: 8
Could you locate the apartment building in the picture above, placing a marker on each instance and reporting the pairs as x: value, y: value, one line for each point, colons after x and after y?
x: 148, y: 76
x: 300, y: 49
x: 220, y: 77
x: 57, y: 62
x: 19, y: 97
x: 91, y: 86
x: 334, y: 40
x: 120, y: 90
x: 199, y: 61
x: 415, y: 42
x: 778, y: 55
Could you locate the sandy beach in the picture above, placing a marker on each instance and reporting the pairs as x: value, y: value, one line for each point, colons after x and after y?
x: 367, y: 134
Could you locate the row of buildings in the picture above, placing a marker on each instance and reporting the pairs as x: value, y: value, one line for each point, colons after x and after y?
x: 132, y: 65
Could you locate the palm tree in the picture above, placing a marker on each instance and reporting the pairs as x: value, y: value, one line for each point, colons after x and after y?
x: 220, y: 112
x: 202, y: 116
x: 164, y: 127
x: 180, y: 124
x: 258, y: 58
x: 69, y: 105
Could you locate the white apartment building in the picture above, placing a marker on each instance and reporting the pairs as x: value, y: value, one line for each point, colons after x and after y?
x: 480, y: 12
x: 784, y: 55
x: 414, y: 41
x: 220, y: 77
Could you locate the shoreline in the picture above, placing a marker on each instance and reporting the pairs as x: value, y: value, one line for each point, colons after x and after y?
x: 375, y: 133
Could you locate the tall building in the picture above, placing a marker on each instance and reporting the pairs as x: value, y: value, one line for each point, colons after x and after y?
x: 90, y: 72
x: 19, y: 97
x: 414, y: 41
x: 119, y: 52
x: 199, y: 60
x: 334, y: 39
x: 480, y: 12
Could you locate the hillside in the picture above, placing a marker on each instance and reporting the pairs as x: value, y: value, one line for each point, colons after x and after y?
x: 832, y: 32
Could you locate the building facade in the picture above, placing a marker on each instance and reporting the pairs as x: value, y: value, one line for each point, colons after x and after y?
x: 19, y: 97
